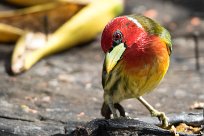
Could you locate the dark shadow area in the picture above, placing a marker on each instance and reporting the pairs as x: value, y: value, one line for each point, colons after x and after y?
x: 9, y: 6
x: 5, y: 49
x: 5, y: 57
x: 7, y: 64
x: 195, y: 7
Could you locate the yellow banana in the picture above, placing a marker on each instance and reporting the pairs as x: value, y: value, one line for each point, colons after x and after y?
x: 57, y: 14
x: 9, y: 33
x: 82, y: 27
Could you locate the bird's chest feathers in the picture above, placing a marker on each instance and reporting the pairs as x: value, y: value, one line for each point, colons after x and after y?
x: 145, y: 55
x: 138, y: 72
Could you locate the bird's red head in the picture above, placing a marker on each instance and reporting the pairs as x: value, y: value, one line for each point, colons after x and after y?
x: 121, y: 38
x: 122, y: 29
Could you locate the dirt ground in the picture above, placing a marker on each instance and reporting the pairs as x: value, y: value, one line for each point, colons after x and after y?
x: 67, y: 86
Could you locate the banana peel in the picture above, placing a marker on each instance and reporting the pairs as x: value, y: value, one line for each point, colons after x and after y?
x: 28, y: 2
x: 25, y: 49
x: 9, y: 33
x: 25, y: 3
x: 81, y: 28
x: 33, y: 18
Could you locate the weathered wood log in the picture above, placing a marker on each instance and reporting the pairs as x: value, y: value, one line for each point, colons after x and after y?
x: 102, y: 127
x: 111, y: 127
x: 145, y: 126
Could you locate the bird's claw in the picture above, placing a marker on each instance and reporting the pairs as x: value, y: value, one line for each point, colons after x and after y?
x: 115, y: 116
x: 162, y: 117
x: 128, y: 117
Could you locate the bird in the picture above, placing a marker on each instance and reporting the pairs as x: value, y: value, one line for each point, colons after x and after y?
x: 137, y: 56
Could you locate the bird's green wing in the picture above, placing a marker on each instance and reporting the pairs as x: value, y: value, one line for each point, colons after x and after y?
x: 154, y: 28
x: 104, y: 73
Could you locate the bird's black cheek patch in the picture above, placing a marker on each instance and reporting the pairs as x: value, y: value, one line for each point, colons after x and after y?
x: 115, y: 43
x: 110, y: 49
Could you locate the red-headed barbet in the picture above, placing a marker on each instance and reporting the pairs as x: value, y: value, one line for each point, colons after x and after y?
x: 137, y: 55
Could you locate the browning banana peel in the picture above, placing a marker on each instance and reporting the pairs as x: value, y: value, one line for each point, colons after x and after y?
x: 9, y: 33
x: 33, y: 18
x: 38, y: 2
x: 81, y: 28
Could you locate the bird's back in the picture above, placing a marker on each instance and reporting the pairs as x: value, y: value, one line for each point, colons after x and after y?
x: 155, y: 28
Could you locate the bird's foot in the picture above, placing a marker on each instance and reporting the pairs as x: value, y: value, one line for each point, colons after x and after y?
x: 115, y: 115
x: 162, y: 117
x: 128, y: 117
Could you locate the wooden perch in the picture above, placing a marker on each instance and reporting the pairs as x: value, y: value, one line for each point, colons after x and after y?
x: 98, y: 127
x: 136, y: 127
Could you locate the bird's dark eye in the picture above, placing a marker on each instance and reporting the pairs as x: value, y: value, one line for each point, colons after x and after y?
x: 117, y: 37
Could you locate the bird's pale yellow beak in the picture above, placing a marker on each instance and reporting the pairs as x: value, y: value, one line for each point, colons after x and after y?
x: 112, y: 57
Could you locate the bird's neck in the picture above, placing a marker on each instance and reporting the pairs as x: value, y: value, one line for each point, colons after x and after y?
x: 146, y: 54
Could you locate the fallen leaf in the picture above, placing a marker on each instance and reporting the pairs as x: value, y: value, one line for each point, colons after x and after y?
x: 182, y: 127
x: 27, y: 109
x: 174, y: 131
x: 197, y: 105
